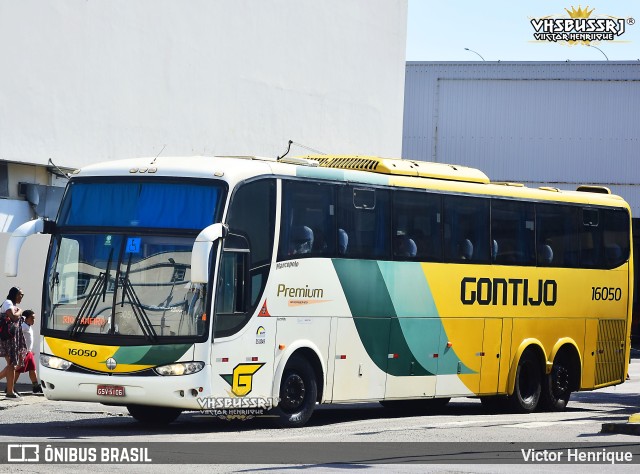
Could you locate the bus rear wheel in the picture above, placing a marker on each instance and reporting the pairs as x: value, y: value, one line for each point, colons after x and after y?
x: 556, y: 388
x: 528, y: 384
x: 298, y: 394
x: 153, y: 415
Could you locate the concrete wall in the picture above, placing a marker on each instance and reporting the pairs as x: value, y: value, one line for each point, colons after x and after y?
x: 91, y: 80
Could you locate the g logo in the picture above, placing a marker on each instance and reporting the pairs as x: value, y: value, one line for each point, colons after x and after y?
x: 241, y: 380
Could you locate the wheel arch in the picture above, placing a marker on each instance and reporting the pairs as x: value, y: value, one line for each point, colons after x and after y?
x: 311, y: 353
x: 566, y: 347
x: 527, y: 344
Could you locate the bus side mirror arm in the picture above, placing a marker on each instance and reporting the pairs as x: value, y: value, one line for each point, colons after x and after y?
x: 201, y: 253
x: 17, y: 238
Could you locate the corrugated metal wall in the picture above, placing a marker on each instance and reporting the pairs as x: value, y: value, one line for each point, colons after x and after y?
x: 554, y: 123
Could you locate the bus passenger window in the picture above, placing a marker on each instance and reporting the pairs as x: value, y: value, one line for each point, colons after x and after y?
x: 557, y: 227
x: 466, y: 222
x: 615, y: 236
x: 364, y: 214
x: 417, y: 226
x: 591, y: 244
x: 308, y: 221
x: 512, y: 232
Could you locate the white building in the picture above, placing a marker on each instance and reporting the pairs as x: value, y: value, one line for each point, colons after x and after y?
x: 85, y: 81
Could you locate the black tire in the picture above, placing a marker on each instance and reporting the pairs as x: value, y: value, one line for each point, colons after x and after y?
x: 157, y: 416
x: 556, y: 386
x: 528, y: 384
x: 298, y: 394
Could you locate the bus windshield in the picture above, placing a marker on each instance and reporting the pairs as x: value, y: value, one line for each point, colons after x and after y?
x: 120, y: 263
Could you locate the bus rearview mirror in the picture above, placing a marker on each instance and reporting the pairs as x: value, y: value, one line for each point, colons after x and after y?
x: 201, y: 253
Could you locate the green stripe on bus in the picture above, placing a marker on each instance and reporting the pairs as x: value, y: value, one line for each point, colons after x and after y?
x: 375, y: 318
x: 151, y: 355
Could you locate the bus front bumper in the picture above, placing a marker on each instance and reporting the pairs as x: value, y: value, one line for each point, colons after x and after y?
x: 169, y: 391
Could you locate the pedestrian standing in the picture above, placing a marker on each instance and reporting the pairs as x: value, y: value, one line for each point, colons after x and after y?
x: 12, y: 345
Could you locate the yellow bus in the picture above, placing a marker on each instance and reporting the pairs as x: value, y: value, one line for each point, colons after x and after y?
x: 197, y: 283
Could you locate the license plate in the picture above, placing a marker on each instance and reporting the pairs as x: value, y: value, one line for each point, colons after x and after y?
x: 111, y: 390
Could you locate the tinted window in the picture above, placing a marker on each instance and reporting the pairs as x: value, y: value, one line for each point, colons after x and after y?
x: 557, y: 235
x: 185, y: 205
x: 252, y: 214
x: 242, y: 275
x: 512, y: 233
x: 466, y: 229
x: 308, y: 220
x: 615, y: 237
x: 366, y: 229
x: 417, y: 226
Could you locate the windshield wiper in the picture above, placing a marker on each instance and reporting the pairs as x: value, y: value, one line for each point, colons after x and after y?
x: 89, y: 305
x: 136, y: 305
x: 139, y: 312
x: 99, y: 288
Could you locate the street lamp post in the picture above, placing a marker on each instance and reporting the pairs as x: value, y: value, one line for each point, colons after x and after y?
x: 592, y: 46
x: 475, y: 52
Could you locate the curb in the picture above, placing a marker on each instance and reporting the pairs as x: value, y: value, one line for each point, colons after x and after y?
x: 632, y: 427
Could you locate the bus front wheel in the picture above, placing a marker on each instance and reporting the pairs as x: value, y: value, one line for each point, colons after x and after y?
x: 153, y: 415
x: 528, y: 384
x: 298, y: 394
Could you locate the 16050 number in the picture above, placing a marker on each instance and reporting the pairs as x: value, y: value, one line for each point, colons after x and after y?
x: 83, y: 352
x: 604, y: 293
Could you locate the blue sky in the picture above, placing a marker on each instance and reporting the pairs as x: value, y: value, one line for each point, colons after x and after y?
x: 439, y: 30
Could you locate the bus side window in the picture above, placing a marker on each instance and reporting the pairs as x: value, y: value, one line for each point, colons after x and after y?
x: 615, y: 237
x: 512, y: 230
x: 591, y: 244
x: 466, y: 222
x: 417, y: 226
x: 308, y: 221
x: 252, y: 217
x: 364, y: 214
x: 557, y: 228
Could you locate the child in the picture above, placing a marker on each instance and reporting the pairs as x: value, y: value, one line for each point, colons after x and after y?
x: 29, y: 361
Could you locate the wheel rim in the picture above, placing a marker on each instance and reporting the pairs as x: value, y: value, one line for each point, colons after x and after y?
x: 560, y: 382
x: 292, y: 393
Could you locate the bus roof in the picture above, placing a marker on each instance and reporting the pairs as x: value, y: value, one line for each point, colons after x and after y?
x: 351, y: 168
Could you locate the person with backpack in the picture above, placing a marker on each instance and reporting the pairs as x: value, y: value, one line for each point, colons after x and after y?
x: 12, y: 343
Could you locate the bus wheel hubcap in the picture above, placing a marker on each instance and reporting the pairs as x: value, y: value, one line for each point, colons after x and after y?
x: 293, y: 392
x: 561, y: 381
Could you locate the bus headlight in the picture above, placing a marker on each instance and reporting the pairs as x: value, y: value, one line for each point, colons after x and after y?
x: 54, y: 362
x: 182, y: 368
